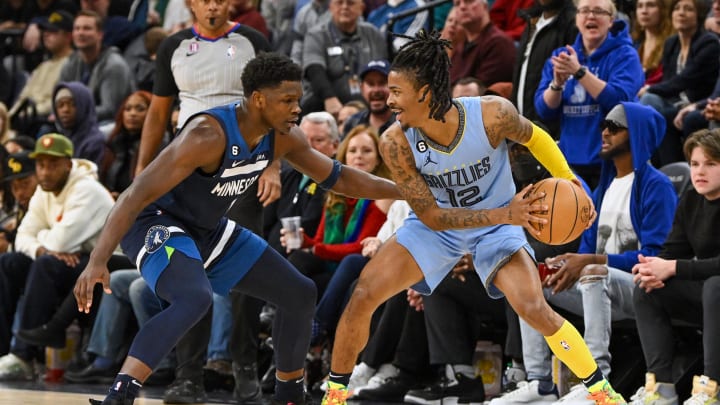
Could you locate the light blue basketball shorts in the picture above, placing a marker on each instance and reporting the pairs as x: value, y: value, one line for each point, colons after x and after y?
x: 436, y: 252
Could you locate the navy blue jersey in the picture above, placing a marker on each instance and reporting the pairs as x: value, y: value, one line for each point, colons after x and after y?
x: 202, y: 199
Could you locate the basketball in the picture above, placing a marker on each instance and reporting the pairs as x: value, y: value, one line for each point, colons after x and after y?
x: 568, y: 211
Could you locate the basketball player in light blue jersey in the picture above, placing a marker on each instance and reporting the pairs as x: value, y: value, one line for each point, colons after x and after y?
x: 172, y: 224
x: 449, y: 159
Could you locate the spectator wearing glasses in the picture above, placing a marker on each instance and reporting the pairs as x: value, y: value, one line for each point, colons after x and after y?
x: 582, y: 82
x: 635, y: 204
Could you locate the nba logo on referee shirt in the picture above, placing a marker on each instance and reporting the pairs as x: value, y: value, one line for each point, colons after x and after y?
x: 194, y: 47
x: 156, y: 237
x: 231, y: 51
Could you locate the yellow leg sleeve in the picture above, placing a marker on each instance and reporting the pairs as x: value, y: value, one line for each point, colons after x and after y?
x: 570, y: 348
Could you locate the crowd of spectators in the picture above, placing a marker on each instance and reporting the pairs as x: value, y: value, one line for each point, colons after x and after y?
x: 89, y: 89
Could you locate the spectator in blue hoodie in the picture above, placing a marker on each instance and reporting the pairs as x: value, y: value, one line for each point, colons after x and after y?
x: 582, y: 82
x: 636, y: 204
x: 75, y: 117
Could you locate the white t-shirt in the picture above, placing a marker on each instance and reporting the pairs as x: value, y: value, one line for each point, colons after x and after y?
x: 615, y: 230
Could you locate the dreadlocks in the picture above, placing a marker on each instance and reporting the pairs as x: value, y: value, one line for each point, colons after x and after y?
x: 425, y: 57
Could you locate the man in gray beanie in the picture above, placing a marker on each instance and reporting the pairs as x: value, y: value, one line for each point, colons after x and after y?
x: 635, y: 204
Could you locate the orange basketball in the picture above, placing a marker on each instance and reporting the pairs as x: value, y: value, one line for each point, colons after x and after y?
x: 568, y: 211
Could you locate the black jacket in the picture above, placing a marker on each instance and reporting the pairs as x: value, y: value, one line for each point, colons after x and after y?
x: 560, y: 32
x: 701, y: 68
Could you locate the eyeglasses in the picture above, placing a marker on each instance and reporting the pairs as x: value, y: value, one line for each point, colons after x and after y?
x: 613, y: 127
x: 597, y: 12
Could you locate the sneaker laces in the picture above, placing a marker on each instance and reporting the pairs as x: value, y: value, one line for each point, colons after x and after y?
x: 700, y: 398
x: 606, y: 396
x: 643, y: 396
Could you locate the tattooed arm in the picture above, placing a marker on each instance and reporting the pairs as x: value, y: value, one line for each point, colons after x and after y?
x: 399, y: 158
x: 502, y: 120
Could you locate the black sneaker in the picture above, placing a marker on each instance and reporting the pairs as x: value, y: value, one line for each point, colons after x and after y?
x: 454, y: 388
x: 307, y: 400
x: 183, y: 391
x: 92, y: 375
x: 247, y: 385
x: 113, y: 401
x: 43, y: 335
x: 393, y: 390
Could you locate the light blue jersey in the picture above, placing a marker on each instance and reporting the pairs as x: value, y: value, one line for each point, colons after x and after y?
x: 469, y: 174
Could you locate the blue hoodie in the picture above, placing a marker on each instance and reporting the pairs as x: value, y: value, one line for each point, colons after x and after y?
x: 88, y: 141
x: 653, y: 198
x: 617, y: 63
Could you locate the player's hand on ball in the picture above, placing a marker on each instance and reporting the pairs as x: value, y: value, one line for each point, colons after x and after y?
x: 85, y: 284
x: 523, y: 207
x: 593, y: 213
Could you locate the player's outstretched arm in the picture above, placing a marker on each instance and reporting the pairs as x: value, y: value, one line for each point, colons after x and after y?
x: 350, y: 182
x: 175, y: 163
x: 398, y: 156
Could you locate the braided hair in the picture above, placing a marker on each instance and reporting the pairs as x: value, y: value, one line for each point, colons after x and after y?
x: 426, y: 58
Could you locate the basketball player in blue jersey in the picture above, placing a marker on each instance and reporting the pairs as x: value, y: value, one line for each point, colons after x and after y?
x: 449, y: 159
x: 171, y: 222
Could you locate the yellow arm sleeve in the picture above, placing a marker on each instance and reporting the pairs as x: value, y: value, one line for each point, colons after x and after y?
x: 546, y: 151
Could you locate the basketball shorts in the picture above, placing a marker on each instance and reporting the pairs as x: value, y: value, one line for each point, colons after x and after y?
x: 227, y: 252
x: 437, y: 252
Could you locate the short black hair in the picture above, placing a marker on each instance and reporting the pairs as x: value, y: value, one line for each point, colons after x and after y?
x: 268, y: 70
x: 425, y: 57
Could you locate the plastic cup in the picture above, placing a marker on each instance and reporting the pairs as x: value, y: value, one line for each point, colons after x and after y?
x: 293, y: 238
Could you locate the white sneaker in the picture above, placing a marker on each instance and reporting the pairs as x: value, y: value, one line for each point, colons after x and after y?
x: 525, y: 393
x: 654, y: 393
x: 384, y: 373
x: 360, y: 376
x: 13, y: 368
x: 704, y: 392
x: 578, y: 395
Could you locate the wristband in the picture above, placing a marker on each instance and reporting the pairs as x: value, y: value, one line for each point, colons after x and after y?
x: 328, y: 183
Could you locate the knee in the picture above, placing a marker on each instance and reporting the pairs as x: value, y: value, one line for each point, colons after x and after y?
x: 121, y: 280
x: 46, y: 261
x: 138, y: 289
x: 640, y: 297
x: 364, y: 298
x: 306, y: 296
x: 711, y: 290
x: 195, y: 302
x: 531, y: 309
x: 651, y: 100
x: 593, y: 273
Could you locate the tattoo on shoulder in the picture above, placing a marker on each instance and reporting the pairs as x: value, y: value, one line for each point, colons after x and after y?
x: 505, y: 123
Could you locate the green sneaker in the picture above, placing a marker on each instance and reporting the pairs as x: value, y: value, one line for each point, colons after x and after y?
x: 654, y: 393
x: 336, y: 394
x: 604, y: 394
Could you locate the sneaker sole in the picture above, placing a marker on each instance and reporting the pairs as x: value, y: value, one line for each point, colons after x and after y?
x: 422, y: 401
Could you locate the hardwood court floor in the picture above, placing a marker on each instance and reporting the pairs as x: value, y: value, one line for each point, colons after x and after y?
x: 41, y: 393
x: 29, y: 397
